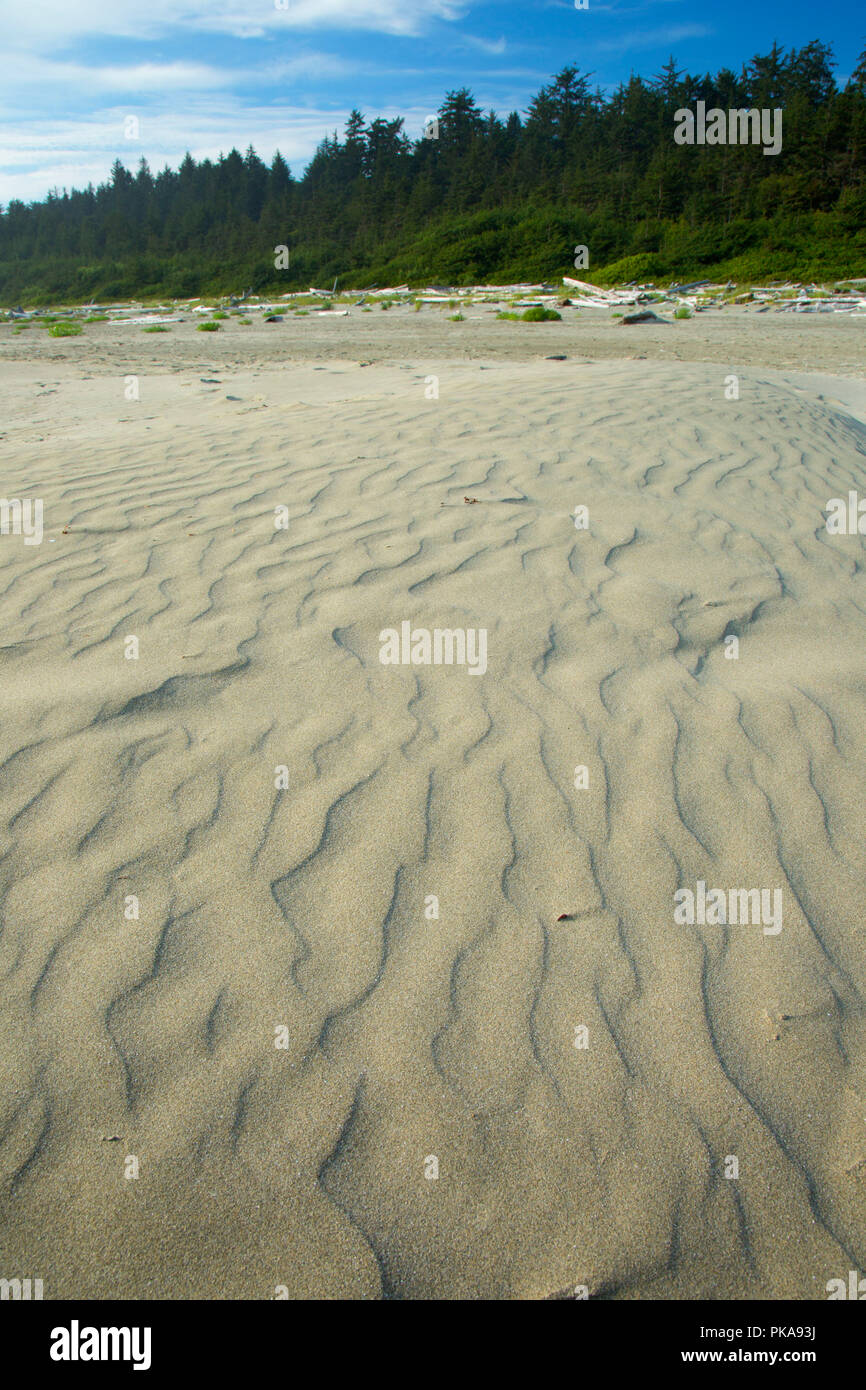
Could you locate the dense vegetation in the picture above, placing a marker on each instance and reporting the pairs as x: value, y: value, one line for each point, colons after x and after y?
x: 487, y: 200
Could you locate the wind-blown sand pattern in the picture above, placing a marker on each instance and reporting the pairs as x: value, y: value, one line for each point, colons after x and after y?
x: 305, y: 907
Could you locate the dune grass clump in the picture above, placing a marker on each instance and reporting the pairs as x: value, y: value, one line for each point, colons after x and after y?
x: 64, y: 329
x: 209, y: 327
x: 155, y: 328
x: 536, y: 314
x: 220, y: 314
x: 682, y: 312
x: 97, y: 318
x: 456, y: 318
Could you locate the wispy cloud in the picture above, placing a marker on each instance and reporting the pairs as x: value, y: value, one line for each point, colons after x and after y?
x: 48, y: 24
x: 607, y: 6
x: 653, y: 38
x: 493, y: 46
x: 40, y: 74
x: 45, y: 153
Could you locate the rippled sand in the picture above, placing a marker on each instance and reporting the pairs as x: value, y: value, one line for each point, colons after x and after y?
x: 302, y: 913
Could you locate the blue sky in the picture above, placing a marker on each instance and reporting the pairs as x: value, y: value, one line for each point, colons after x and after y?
x: 205, y: 75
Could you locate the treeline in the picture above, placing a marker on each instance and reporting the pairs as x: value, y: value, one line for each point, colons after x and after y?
x: 482, y: 198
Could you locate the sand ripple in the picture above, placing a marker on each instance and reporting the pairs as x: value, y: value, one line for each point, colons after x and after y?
x: 304, y: 906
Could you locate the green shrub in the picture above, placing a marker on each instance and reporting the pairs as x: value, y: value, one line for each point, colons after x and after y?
x: 538, y: 314
x: 64, y: 330
x: 209, y: 327
x: 639, y: 267
x: 155, y: 328
x: 456, y: 318
x: 220, y: 314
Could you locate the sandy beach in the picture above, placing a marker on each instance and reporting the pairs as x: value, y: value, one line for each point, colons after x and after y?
x: 323, y: 977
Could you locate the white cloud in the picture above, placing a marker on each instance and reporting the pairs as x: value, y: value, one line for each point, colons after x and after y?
x: 654, y: 38
x: 48, y: 24
x: 38, y: 76
x: 42, y: 75
x: 494, y: 46
x: 44, y: 154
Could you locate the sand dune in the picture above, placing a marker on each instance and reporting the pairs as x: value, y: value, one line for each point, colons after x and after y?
x: 409, y: 1036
